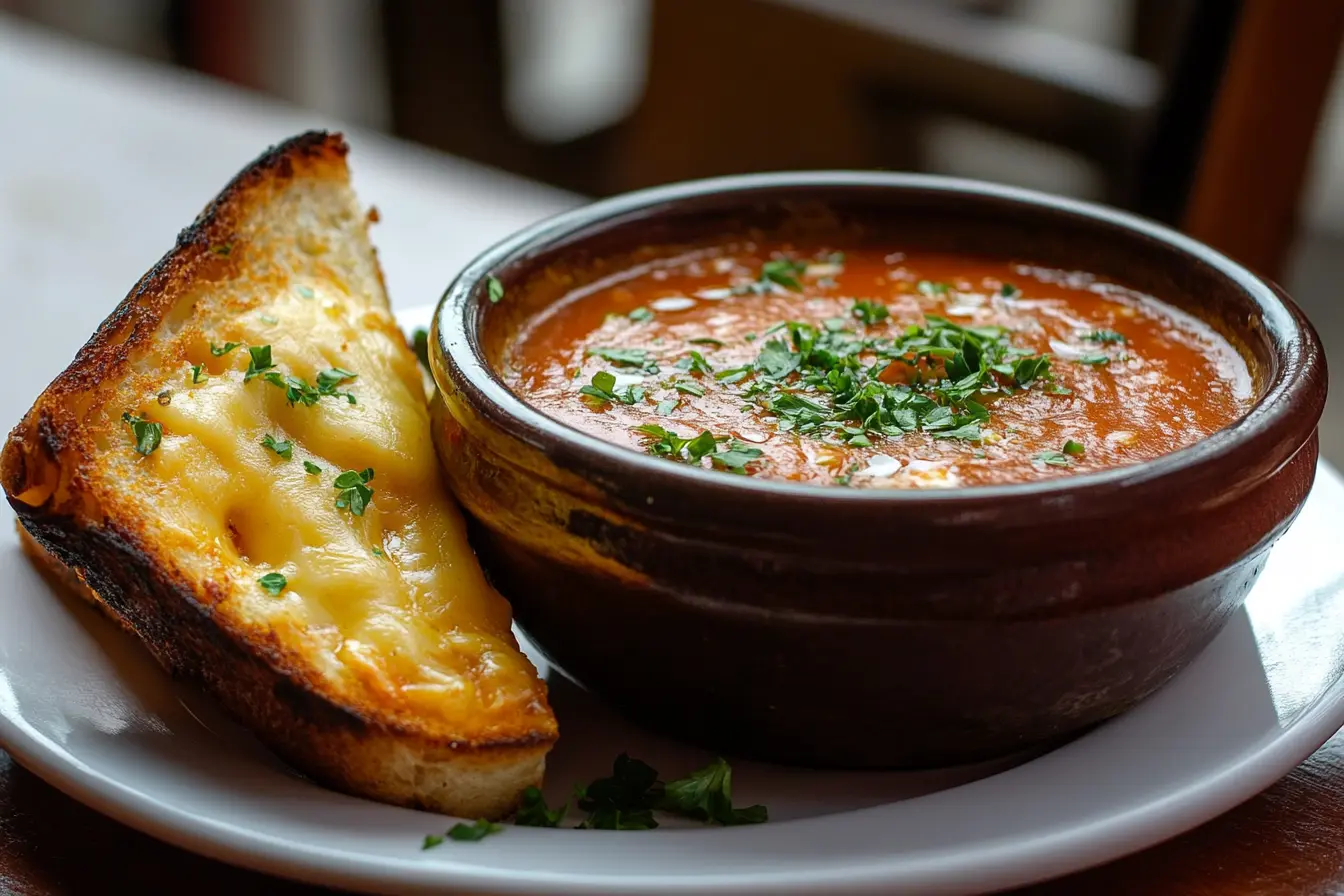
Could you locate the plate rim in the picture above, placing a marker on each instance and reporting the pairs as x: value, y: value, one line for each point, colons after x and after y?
x: 1211, y: 794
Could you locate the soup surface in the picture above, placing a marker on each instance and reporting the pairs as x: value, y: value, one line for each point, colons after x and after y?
x: 877, y: 369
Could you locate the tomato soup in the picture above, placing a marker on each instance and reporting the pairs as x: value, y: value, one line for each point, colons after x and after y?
x: 867, y: 368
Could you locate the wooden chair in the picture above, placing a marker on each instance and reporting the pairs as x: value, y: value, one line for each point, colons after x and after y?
x: 1245, y: 192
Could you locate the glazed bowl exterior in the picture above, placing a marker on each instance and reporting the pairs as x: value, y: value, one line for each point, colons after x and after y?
x: 869, y: 628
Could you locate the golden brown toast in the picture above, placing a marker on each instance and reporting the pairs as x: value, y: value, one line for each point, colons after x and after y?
x: 192, y: 490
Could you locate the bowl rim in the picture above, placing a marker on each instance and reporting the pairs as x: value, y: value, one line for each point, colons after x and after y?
x: 1296, y: 345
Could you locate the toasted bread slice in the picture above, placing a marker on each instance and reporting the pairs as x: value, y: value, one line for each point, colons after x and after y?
x: 354, y: 633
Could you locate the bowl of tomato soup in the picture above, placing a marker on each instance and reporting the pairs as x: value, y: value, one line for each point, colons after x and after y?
x: 871, y: 470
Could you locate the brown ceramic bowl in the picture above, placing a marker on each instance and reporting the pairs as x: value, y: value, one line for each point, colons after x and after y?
x: 857, y: 628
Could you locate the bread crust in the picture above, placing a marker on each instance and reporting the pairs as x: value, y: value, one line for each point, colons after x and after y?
x: 49, y: 466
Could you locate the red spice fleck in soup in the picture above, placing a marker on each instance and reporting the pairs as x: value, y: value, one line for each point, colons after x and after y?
x: 874, y: 369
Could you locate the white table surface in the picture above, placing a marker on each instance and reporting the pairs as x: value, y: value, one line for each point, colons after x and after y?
x: 103, y: 159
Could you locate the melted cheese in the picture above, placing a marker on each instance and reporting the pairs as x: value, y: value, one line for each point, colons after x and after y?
x: 417, y: 629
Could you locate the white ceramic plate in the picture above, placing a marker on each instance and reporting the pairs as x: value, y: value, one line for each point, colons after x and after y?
x: 85, y: 708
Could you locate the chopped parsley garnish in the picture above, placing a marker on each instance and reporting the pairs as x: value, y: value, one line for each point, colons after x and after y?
x: 602, y: 389
x: 627, y: 357
x: 695, y: 363
x: 329, y: 379
x: 735, y: 458
x: 534, y: 813
x: 624, y: 801
x: 1094, y: 359
x: 1027, y: 370
x: 197, y: 374
x: 784, y: 272
x: 259, y: 361
x: 841, y: 382
x: 299, y: 391
x: 310, y: 467
x: 494, y: 289
x: 968, y: 431
x: 932, y: 288
x: 928, y: 378
x: 1075, y: 449
x: 733, y: 374
x: 1052, y: 459
x: 284, y: 448
x: 776, y: 360
x: 222, y: 250
x: 353, y: 490
x: 221, y: 350
x: 640, y: 315
x: 1009, y: 291
x: 464, y: 833
x: 707, y: 795
x: 668, y: 444
x: 846, y: 477
x: 870, y: 312
x: 378, y: 552
x: 1105, y: 337
x: 477, y: 830
x: 706, y: 340
x: 273, y: 583
x: 627, y: 799
x: 420, y: 345
x: 147, y: 435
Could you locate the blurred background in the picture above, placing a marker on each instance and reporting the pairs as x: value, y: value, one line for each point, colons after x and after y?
x: 1222, y: 117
